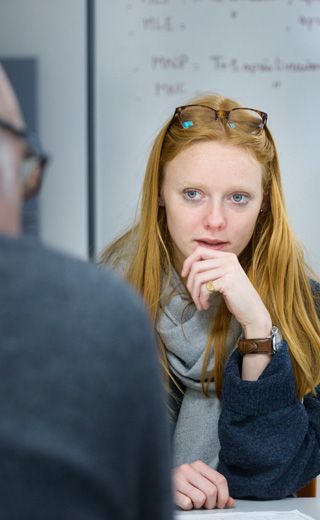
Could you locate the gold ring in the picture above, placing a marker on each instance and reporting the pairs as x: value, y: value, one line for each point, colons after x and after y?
x: 210, y: 287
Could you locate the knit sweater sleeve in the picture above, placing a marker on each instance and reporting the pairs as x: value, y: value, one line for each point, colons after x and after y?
x: 270, y: 441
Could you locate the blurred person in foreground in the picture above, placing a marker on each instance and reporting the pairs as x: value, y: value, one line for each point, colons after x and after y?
x: 83, y: 430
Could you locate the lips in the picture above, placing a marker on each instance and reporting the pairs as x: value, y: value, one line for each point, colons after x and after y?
x: 212, y: 243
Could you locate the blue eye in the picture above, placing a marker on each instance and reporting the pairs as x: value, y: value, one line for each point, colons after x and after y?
x: 232, y: 124
x: 240, y: 198
x: 191, y: 194
x: 187, y: 124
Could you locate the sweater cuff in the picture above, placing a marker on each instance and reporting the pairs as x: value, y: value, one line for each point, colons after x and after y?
x: 275, y: 388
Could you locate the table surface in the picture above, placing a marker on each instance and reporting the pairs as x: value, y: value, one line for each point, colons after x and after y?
x: 309, y: 506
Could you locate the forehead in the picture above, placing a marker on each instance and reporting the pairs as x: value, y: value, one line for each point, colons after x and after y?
x: 211, y: 161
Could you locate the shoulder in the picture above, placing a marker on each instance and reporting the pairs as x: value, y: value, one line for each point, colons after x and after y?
x: 77, y: 323
x: 315, y: 288
x: 100, y: 289
x: 110, y: 316
x: 76, y: 288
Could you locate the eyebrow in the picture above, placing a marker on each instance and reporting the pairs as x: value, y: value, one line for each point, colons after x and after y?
x: 186, y: 182
x: 237, y: 187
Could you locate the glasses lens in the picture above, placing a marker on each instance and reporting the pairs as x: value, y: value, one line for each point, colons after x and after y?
x: 196, y: 115
x: 31, y: 175
x: 245, y: 119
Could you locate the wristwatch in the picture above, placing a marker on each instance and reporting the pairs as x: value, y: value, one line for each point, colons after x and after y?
x: 268, y: 345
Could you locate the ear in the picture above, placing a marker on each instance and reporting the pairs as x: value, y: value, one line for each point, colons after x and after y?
x: 264, y: 205
x: 160, y: 201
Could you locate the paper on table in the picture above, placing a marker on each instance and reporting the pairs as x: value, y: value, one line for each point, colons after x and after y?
x: 233, y: 515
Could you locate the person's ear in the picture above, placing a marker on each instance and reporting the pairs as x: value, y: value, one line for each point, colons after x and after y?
x: 264, y: 205
x: 160, y: 201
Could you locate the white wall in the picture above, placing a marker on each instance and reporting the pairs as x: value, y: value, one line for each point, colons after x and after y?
x: 55, y: 33
x: 153, y: 55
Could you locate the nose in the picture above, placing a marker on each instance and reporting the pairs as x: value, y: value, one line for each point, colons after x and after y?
x: 215, y: 217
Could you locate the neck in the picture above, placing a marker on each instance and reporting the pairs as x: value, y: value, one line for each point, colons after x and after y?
x: 10, y: 219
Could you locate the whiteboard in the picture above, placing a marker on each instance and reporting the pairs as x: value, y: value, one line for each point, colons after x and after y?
x: 154, y: 55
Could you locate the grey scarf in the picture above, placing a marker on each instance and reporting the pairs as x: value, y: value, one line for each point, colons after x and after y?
x: 184, y: 331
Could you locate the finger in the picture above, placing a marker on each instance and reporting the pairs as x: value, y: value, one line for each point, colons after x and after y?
x: 217, y: 479
x: 198, y: 488
x: 203, y: 270
x: 198, y: 286
x: 189, y: 481
x: 199, y: 273
x: 200, y: 294
x: 223, y: 491
x: 211, y: 496
x: 201, y: 253
x: 182, y: 501
x: 192, y: 491
x: 205, y: 297
x: 216, y: 279
x: 230, y: 502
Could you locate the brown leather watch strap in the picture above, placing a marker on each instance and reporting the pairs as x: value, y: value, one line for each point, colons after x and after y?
x: 256, y: 346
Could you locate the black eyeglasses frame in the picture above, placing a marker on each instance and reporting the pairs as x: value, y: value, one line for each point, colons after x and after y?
x: 33, y: 149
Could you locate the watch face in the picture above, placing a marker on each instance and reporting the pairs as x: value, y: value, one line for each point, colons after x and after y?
x: 276, y: 338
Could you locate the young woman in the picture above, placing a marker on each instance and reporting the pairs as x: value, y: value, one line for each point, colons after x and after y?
x: 234, y: 306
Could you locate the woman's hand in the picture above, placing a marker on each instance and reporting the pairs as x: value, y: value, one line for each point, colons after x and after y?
x: 197, y: 485
x: 228, y: 277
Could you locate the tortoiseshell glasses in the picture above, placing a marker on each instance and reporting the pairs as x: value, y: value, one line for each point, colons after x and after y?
x: 248, y: 120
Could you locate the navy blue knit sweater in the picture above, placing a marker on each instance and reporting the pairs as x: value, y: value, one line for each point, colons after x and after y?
x: 270, y: 441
